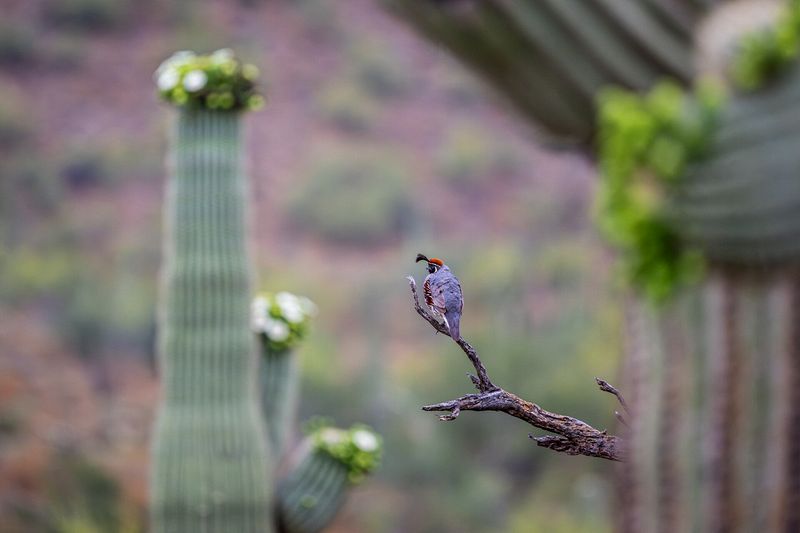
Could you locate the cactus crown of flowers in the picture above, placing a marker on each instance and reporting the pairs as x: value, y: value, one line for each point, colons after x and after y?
x: 281, y: 319
x: 358, y: 448
x: 217, y: 81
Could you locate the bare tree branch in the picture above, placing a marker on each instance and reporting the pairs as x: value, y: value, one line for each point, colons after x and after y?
x: 572, y: 436
x: 604, y: 386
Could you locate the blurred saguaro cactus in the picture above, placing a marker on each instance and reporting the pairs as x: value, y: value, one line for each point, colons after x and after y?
x: 742, y: 203
x: 550, y: 57
x: 709, y: 377
x: 325, y: 464
x: 211, y: 465
x: 712, y: 372
x: 730, y: 361
x: 712, y: 369
x: 280, y: 322
x: 215, y: 447
x: 329, y: 461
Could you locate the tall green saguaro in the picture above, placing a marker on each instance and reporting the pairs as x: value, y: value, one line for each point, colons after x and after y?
x: 211, y: 465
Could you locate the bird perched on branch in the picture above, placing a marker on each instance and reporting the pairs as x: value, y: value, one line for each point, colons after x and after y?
x: 442, y: 293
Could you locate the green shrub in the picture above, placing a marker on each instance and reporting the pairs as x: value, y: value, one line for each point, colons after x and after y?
x: 359, y: 198
x: 347, y: 106
x: 460, y: 89
x: 469, y: 156
x: 320, y: 18
x: 15, y: 119
x: 92, y: 15
x: 28, y: 273
x: 194, y: 27
x: 82, y: 496
x: 11, y: 422
x: 85, y: 321
x: 64, y: 52
x: 378, y: 70
x: 85, y: 168
x: 563, y: 264
x: 17, y: 43
x: 28, y: 184
x: 86, y: 165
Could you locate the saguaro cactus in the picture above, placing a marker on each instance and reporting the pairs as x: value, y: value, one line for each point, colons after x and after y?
x: 211, y: 463
x: 708, y: 378
x: 323, y: 467
x: 327, y: 462
x: 550, y: 57
x: 279, y: 389
x: 712, y: 375
x: 280, y: 321
x: 742, y: 204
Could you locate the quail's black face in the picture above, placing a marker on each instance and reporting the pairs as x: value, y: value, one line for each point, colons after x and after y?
x: 432, y: 267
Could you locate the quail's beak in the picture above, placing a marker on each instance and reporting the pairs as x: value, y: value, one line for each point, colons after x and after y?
x: 421, y: 257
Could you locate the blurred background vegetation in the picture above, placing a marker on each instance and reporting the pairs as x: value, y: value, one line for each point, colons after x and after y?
x: 373, y: 146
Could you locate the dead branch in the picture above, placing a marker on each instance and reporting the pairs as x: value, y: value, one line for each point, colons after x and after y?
x: 604, y: 386
x: 572, y: 436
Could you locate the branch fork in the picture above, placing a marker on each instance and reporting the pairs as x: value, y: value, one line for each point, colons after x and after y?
x: 572, y: 436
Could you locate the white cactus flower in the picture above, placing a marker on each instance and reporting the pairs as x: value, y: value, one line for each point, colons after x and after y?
x: 264, y: 324
x: 222, y: 55
x: 269, y: 323
x: 308, y: 307
x: 182, y: 55
x: 168, y: 79
x: 331, y: 436
x: 292, y: 307
x: 259, y: 314
x: 366, y: 441
x: 285, y: 299
x: 259, y: 305
x: 258, y: 323
x: 277, y: 330
x: 194, y: 80
x: 175, y: 60
x: 293, y: 313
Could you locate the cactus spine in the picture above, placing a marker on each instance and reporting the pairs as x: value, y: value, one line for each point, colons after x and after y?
x: 211, y: 467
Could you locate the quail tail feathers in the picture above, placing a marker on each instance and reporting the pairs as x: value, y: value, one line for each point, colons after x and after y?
x: 453, y: 321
